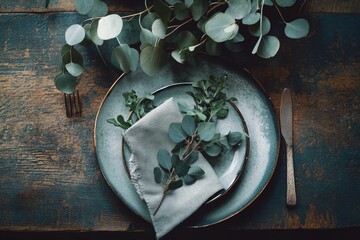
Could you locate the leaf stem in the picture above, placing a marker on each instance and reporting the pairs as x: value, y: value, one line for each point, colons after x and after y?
x: 278, y: 10
x: 179, y: 26
x: 162, y: 199
x: 101, y: 56
x: 138, y: 13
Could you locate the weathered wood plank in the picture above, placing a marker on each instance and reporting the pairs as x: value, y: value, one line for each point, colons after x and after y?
x: 49, y: 178
x: 326, y: 6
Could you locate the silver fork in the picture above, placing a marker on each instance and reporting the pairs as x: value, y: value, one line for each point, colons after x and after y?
x: 72, y: 104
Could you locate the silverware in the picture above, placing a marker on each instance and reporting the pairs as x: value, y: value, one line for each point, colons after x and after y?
x: 286, y: 131
x: 72, y: 104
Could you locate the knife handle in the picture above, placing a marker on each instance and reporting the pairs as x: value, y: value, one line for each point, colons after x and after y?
x: 290, y: 178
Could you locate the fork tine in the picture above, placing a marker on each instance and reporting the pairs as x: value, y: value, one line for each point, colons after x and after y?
x: 72, y: 104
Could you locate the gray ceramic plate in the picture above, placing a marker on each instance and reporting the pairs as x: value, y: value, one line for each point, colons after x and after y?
x: 229, y: 165
x: 255, y: 106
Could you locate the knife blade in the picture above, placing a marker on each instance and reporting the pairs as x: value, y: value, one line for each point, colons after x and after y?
x: 287, y: 132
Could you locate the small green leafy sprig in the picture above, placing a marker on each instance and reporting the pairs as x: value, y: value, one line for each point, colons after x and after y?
x: 139, y: 107
x: 174, y: 29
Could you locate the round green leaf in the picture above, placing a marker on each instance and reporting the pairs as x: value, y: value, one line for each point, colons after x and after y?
x: 72, y: 56
x: 157, y: 175
x: 221, y: 27
x: 146, y: 36
x: 285, y: 3
x: 186, y: 39
x: 188, y: 180
x: 251, y: 19
x: 198, y: 8
x: 188, y: 125
x: 176, y: 132
x: 255, y: 29
x: 65, y: 82
x: 239, y: 9
x: 126, y: 57
x: 130, y: 33
x: 94, y: 34
x: 181, y: 11
x: 178, y: 56
x: 268, y: 47
x: 84, y: 6
x: 163, y: 10
x: 176, y: 184
x: 296, y: 29
x: 74, y: 69
x: 109, y: 26
x: 164, y: 159
x: 213, y: 150
x: 206, y: 130
x: 196, y: 171
x: 99, y: 9
x: 152, y: 60
x: 234, y: 138
x: 159, y: 28
x: 74, y: 34
x: 181, y: 168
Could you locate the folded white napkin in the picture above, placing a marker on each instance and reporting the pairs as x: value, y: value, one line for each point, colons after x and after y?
x: 145, y: 138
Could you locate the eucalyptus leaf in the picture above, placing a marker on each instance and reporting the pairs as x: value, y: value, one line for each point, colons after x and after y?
x: 84, y: 6
x: 164, y: 159
x: 198, y: 8
x: 65, y: 82
x: 285, y: 3
x: 196, y: 171
x: 159, y: 29
x: 296, y: 29
x: 152, y: 60
x: 268, y: 47
x: 181, y: 11
x: 188, y: 179
x: 186, y: 39
x: 148, y: 20
x: 171, y: 2
x: 176, y: 184
x: 122, y: 122
x: 126, y: 57
x: 130, y: 33
x: 72, y: 56
x: 221, y: 27
x: 93, y: 33
x: 213, y: 150
x: 99, y: 9
x: 178, y: 56
x: 206, y: 130
x: 146, y: 36
x: 74, y: 69
x: 188, y: 125
x: 109, y: 26
x: 163, y: 10
x: 239, y: 8
x: 181, y: 168
x: 234, y: 138
x: 251, y: 19
x: 74, y: 34
x: 255, y: 29
x: 157, y: 175
x: 176, y: 132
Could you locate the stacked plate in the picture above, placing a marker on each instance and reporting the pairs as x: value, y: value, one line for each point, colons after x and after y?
x: 244, y: 172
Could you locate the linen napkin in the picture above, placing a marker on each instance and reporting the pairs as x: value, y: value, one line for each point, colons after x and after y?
x: 145, y: 138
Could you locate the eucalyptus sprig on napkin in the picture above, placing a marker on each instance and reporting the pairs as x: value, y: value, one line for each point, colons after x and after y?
x: 196, y: 133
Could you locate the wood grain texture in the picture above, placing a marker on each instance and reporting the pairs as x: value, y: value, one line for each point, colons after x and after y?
x: 311, y: 6
x: 49, y: 177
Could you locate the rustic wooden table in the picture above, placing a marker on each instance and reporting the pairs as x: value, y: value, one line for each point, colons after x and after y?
x: 49, y: 177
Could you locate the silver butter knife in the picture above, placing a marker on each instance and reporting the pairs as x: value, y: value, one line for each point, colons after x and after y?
x: 287, y: 132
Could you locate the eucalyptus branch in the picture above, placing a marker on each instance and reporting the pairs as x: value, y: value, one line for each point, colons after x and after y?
x: 138, y: 13
x: 278, y: 10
